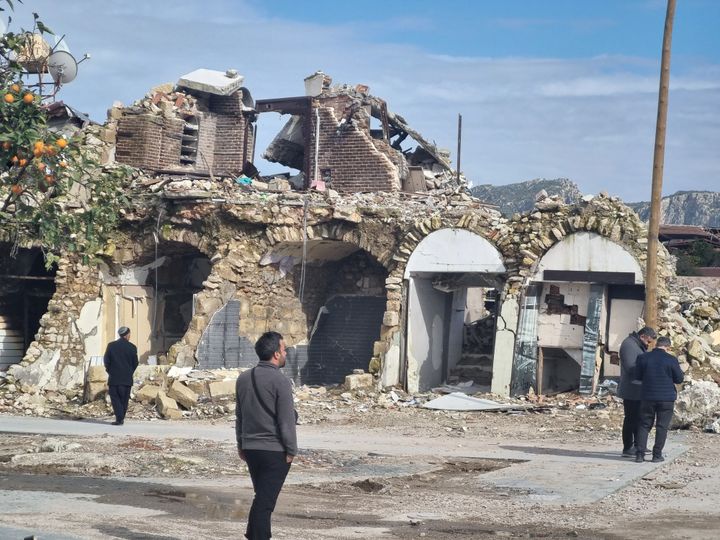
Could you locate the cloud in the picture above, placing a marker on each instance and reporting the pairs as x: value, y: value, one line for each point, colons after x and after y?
x: 589, y: 119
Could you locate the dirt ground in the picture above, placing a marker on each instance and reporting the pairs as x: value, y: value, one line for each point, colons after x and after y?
x: 162, y: 488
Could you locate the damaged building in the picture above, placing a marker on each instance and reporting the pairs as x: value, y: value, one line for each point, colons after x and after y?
x: 369, y: 254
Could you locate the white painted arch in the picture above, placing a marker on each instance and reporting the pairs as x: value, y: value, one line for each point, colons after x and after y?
x: 588, y: 252
x: 454, y: 250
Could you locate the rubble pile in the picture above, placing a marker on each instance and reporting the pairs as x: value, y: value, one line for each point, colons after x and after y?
x: 693, y: 325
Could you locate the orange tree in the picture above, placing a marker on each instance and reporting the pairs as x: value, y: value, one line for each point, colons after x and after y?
x: 53, y: 192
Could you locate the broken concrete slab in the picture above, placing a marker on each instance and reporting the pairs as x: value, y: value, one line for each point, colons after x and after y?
x: 211, y: 81
x: 458, y: 401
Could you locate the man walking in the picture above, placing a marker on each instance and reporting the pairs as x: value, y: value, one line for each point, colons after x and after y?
x: 659, y: 372
x: 265, y: 430
x: 121, y: 360
x: 629, y: 388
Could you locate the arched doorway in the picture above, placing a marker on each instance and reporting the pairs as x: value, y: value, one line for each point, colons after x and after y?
x: 26, y: 287
x: 584, y: 297
x: 453, y: 280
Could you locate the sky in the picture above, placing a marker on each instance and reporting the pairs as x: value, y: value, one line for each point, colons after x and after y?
x: 546, y: 89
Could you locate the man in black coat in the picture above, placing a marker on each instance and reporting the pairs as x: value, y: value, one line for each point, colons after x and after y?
x: 629, y: 388
x: 659, y: 372
x: 121, y: 360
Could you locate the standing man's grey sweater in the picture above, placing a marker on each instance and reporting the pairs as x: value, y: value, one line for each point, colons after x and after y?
x: 256, y: 429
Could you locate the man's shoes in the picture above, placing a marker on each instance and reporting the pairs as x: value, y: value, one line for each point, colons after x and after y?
x: 658, y: 459
x: 639, y: 457
x: 118, y: 423
x: 630, y: 452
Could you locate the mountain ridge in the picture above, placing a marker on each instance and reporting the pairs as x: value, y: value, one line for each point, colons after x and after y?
x: 685, y: 207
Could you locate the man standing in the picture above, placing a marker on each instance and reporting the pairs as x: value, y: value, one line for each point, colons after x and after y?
x: 121, y: 360
x: 659, y: 372
x: 629, y: 389
x: 265, y: 430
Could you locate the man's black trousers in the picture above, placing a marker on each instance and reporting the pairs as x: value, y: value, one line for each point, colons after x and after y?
x: 119, y: 398
x: 631, y: 423
x: 660, y: 413
x: 268, y: 470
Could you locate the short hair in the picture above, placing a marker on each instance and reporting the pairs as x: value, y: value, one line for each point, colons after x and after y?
x: 663, y: 341
x: 268, y: 345
x: 647, y: 332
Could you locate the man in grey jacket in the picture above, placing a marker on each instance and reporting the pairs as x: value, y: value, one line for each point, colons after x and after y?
x: 630, y: 389
x: 265, y: 430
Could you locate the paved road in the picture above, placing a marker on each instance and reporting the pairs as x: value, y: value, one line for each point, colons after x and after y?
x: 551, y: 471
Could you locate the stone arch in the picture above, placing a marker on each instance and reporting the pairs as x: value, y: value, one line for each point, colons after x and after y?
x: 583, y: 295
x: 484, y: 258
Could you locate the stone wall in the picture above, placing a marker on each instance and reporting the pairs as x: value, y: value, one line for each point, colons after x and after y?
x: 55, y: 360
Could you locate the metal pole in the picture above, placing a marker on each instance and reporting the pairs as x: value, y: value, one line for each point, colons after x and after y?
x: 657, y: 175
x: 459, y: 145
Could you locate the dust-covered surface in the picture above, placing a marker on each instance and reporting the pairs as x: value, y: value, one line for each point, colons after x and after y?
x: 152, y: 487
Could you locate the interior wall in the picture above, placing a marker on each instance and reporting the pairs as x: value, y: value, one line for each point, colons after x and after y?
x: 456, y: 328
x: 426, y: 335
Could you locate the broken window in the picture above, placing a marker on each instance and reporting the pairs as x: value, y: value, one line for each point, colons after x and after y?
x: 190, y: 137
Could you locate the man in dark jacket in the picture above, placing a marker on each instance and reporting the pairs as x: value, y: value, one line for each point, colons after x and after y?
x: 121, y: 360
x: 629, y: 388
x: 659, y: 372
x: 265, y: 430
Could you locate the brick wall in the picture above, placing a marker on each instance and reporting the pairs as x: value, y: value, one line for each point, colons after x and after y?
x: 348, y: 158
x: 207, y: 124
x: 139, y: 140
x: 171, y: 142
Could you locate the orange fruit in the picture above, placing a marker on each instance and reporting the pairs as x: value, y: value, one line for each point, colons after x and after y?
x: 28, y: 98
x: 62, y: 164
x: 14, y: 159
x: 16, y: 189
x: 50, y: 150
x: 9, y: 98
x: 41, y: 166
x: 37, y: 152
x: 62, y: 143
x: 22, y: 162
x: 15, y: 88
x: 49, y: 179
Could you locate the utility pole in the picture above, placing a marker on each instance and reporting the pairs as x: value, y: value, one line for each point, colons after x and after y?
x: 657, y: 173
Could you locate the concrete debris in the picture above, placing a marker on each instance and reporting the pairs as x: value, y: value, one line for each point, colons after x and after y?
x: 457, y: 401
x: 183, y: 395
x: 697, y: 405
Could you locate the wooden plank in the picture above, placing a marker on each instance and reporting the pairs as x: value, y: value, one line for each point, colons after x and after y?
x: 540, y: 369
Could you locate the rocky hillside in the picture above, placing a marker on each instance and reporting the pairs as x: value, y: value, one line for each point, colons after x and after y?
x: 686, y: 208
x: 683, y: 208
x: 520, y: 197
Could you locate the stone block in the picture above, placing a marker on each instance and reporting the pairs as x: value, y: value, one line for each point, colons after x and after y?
x: 95, y: 390
x: 695, y: 350
x: 183, y: 395
x: 199, y: 387
x: 221, y: 389
x: 167, y: 407
x: 358, y: 380
x: 391, y: 318
x: 147, y: 394
x: 97, y: 374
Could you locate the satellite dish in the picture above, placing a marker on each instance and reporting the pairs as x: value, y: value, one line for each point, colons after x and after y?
x: 62, y: 67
